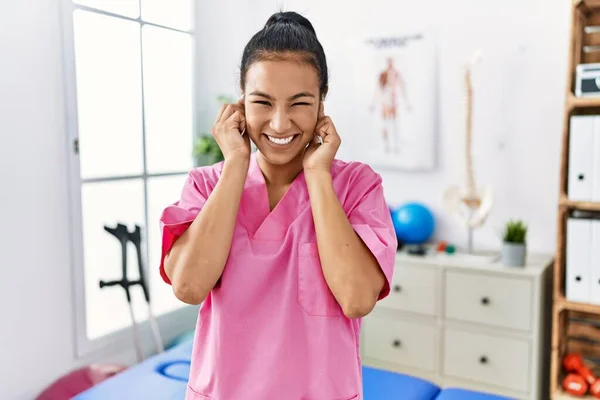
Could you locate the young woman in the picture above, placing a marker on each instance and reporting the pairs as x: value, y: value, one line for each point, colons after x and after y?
x: 286, y: 248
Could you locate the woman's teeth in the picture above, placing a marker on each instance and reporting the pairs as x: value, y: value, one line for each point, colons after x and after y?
x: 279, y: 141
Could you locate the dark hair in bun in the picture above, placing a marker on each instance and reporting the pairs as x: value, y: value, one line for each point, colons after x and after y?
x: 284, y: 34
x: 290, y: 18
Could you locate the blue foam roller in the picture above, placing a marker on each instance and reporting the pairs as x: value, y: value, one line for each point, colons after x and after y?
x: 385, y: 385
x: 462, y: 394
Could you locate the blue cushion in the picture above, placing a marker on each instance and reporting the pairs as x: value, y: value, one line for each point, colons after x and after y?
x: 385, y: 385
x: 163, y: 376
x: 462, y: 394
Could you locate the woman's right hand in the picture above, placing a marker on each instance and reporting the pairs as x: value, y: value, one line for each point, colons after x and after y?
x: 228, y: 129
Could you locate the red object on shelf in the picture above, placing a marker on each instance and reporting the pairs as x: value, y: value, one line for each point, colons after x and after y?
x: 575, y: 384
x: 595, y: 389
x: 441, y: 246
x: 574, y: 363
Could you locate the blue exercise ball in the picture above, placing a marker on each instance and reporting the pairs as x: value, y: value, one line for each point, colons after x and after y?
x: 413, y: 222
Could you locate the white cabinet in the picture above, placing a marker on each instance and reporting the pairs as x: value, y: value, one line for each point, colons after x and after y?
x: 409, y: 343
x: 465, y: 322
x: 413, y: 290
x: 491, y: 359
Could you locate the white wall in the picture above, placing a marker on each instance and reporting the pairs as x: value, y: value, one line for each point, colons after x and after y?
x: 36, y: 305
x: 36, y: 338
x: 519, y: 94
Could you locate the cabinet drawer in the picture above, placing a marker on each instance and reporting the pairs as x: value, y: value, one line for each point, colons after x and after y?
x: 486, y: 359
x: 401, y: 342
x: 488, y: 299
x: 413, y: 289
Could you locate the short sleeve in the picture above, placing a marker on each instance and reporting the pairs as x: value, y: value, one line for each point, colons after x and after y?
x: 372, y: 221
x: 177, y: 217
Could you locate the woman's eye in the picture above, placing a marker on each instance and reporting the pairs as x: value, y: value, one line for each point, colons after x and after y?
x: 301, y: 104
x: 264, y: 103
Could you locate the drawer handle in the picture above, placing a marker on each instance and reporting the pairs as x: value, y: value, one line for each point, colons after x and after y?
x: 397, y: 288
x: 483, y: 360
x: 578, y: 278
x: 485, y: 301
x: 397, y: 343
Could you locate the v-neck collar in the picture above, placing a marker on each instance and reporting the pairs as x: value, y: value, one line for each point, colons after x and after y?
x: 260, y: 221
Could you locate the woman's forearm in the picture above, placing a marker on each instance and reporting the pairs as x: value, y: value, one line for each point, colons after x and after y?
x: 350, y: 269
x: 197, y: 259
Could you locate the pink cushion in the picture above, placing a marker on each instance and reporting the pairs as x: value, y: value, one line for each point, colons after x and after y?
x: 78, y: 381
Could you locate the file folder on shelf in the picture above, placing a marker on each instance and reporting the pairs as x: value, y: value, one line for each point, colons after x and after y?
x: 584, y: 158
x: 595, y: 260
x: 578, y: 260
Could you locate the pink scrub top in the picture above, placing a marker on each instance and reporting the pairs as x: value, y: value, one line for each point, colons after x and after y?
x: 271, y: 329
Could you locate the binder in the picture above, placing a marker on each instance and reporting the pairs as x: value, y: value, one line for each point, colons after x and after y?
x: 595, y: 262
x: 579, y: 260
x: 581, y: 157
x: 596, y: 161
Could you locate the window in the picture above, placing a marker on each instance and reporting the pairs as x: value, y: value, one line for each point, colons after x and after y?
x: 130, y: 90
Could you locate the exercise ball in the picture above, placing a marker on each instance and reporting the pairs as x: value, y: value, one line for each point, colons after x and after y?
x: 413, y: 223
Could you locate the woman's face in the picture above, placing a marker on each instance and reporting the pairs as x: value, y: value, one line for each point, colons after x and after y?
x: 281, y: 105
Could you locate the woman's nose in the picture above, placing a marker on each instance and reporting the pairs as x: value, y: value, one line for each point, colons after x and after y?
x: 280, y: 122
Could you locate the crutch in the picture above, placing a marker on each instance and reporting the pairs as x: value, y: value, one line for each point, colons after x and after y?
x: 124, y: 236
x: 136, y: 238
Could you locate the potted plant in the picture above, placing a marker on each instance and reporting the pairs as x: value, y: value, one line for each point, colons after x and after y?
x: 514, y: 248
x: 207, y: 151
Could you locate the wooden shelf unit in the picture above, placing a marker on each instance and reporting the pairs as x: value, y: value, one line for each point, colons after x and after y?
x: 568, y: 333
x: 560, y: 395
x: 579, y: 205
x: 564, y: 304
x: 582, y: 102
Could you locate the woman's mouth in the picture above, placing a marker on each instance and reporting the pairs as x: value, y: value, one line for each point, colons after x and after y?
x: 281, y: 141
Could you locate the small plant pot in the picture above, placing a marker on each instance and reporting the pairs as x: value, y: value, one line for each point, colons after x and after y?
x: 514, y: 254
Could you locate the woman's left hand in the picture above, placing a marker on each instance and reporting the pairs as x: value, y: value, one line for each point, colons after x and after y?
x: 320, y: 153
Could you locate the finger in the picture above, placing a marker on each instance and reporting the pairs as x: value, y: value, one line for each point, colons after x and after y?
x: 229, y: 111
x: 221, y: 110
x: 322, y: 123
x: 324, y: 127
x: 241, y: 118
x: 326, y: 130
x: 237, y: 120
x: 226, y: 113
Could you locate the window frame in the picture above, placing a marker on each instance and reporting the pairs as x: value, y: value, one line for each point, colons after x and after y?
x: 171, y: 323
